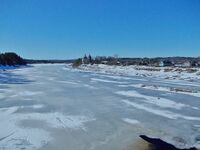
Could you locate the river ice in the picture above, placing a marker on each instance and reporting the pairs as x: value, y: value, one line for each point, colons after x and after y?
x: 48, y: 107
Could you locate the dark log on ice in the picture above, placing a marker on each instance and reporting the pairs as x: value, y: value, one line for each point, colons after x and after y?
x: 159, y: 144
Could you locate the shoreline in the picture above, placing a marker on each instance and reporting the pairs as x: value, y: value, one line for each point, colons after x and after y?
x: 171, y: 73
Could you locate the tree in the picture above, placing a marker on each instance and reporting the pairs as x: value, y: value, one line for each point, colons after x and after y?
x: 11, y: 59
x: 77, y: 63
x: 90, y: 58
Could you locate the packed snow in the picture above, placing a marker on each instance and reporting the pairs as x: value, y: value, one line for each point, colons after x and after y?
x: 55, y: 106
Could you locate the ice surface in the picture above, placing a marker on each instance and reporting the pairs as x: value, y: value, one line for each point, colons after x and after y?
x: 17, y: 137
x: 159, y: 112
x: 165, y: 89
x: 162, y: 102
x: 95, y: 107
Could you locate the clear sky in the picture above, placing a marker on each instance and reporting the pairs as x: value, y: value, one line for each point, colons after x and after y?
x: 65, y: 29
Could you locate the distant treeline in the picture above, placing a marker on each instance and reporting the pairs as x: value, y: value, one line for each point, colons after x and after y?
x: 157, y: 62
x: 32, y: 61
x: 11, y: 59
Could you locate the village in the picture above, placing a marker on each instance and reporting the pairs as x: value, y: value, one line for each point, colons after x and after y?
x: 183, y: 62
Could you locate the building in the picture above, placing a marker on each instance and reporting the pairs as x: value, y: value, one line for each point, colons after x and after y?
x: 182, y: 64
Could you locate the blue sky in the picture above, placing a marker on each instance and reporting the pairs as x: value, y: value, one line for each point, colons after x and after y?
x: 62, y: 29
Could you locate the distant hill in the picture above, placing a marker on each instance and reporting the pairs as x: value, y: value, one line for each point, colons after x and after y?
x: 11, y: 59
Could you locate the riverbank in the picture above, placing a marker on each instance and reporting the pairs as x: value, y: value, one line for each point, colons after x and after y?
x: 171, y: 73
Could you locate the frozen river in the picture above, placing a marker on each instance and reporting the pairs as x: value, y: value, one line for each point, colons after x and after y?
x: 51, y: 107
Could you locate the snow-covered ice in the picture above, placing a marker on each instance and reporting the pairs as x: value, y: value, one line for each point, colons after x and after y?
x: 181, y: 90
x: 96, y: 107
x: 162, y: 102
x: 159, y: 112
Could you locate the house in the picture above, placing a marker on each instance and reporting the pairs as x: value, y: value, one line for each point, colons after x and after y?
x: 104, y: 62
x: 186, y: 64
x: 86, y: 60
x: 198, y: 64
x: 161, y: 64
x: 182, y: 64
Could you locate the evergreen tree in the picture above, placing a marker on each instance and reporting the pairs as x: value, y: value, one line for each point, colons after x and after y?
x: 90, y: 58
x: 11, y: 59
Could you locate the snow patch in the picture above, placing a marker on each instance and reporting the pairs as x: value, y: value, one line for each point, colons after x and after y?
x: 26, y: 93
x: 38, y: 106
x: 164, y: 89
x: 131, y: 121
x: 161, y: 102
x: 107, y: 81
x: 68, y: 82
x: 162, y: 113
